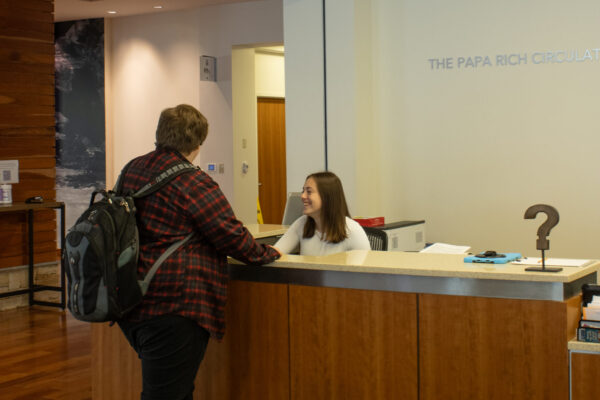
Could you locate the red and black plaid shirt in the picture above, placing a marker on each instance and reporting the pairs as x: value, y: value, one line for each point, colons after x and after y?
x: 192, y: 282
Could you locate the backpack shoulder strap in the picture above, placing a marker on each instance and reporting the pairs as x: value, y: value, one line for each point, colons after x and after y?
x: 164, y: 178
x: 148, y: 278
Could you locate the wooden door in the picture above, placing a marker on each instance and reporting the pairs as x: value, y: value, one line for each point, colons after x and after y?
x: 271, y: 158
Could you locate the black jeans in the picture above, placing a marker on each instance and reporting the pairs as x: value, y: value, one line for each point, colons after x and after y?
x: 171, y: 349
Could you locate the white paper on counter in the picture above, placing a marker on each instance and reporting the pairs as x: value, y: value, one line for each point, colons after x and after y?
x: 444, y: 248
x: 553, y: 262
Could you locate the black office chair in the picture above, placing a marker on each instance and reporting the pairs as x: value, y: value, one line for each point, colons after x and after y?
x: 377, y: 238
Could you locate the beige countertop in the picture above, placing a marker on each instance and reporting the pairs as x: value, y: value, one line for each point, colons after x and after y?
x: 419, y: 264
x: 415, y: 272
x: 576, y: 345
x: 424, y: 264
x: 266, y: 230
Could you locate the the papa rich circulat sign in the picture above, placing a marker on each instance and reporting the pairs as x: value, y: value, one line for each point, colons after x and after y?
x: 514, y: 59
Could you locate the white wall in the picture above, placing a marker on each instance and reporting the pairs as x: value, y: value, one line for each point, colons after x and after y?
x: 304, y: 103
x: 352, y: 149
x: 467, y: 149
x: 155, y: 63
x: 245, y: 146
x: 352, y: 144
x: 270, y: 72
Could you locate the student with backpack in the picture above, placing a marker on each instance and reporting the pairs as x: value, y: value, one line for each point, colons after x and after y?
x: 185, y: 301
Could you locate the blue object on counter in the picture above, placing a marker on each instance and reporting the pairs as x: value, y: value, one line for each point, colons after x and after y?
x: 508, y: 257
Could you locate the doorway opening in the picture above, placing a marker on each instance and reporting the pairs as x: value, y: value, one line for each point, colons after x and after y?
x: 259, y: 153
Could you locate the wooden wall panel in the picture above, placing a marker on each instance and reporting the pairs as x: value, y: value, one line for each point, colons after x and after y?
x: 38, y: 163
x: 28, y: 146
x: 47, y: 257
x: 33, y: 53
x: 13, y: 231
x: 27, y: 19
x: 42, y: 6
x: 27, y: 122
x: 33, y: 132
x: 7, y: 86
x: 26, y: 29
x: 22, y: 100
x: 36, y: 72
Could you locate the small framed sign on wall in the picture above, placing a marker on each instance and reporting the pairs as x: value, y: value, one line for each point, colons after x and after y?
x: 9, y: 171
x: 208, y: 68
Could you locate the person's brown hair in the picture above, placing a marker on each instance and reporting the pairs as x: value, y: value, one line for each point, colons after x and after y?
x: 334, y: 208
x: 181, y: 128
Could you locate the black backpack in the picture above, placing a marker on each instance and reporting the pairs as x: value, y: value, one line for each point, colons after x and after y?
x: 101, y: 253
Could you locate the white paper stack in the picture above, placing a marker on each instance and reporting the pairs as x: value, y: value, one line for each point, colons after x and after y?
x: 444, y: 248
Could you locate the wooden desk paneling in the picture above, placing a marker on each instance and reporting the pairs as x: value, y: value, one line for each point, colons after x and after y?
x: 251, y: 363
x: 483, y: 348
x: 296, y: 342
x: 585, y: 373
x: 116, y: 369
x: 352, y: 344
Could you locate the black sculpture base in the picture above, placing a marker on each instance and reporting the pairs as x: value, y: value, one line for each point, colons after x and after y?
x: 543, y: 269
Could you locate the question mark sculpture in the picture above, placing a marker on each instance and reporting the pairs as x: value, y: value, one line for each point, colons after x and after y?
x: 543, y: 243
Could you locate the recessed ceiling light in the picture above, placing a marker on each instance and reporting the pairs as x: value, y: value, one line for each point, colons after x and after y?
x: 158, y: 7
x: 111, y: 12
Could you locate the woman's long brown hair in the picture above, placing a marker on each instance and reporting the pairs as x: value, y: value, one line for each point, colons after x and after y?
x: 334, y: 208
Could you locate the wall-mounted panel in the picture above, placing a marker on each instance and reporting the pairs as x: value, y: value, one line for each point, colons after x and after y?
x: 27, y: 122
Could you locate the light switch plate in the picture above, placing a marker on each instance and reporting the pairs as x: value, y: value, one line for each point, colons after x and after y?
x: 208, y: 68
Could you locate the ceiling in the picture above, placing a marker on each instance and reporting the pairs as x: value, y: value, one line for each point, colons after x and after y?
x: 68, y: 10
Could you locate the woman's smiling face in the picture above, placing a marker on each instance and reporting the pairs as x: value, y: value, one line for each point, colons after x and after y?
x: 311, y: 199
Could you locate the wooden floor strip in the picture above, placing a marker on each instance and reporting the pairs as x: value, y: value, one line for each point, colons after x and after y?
x: 44, y: 355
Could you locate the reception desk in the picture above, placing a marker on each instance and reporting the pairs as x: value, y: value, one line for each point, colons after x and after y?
x: 378, y: 325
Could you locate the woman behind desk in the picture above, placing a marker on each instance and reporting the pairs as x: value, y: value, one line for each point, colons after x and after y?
x: 326, y: 226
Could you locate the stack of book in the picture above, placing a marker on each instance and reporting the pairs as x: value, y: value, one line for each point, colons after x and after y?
x: 589, y: 325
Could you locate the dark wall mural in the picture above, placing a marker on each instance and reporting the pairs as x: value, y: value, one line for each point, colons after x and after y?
x: 79, y: 91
